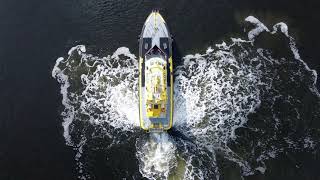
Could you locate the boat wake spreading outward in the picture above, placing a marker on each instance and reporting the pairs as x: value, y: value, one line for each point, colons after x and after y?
x: 236, y: 103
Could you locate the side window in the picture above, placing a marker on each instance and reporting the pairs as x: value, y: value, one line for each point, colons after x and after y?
x: 165, y: 45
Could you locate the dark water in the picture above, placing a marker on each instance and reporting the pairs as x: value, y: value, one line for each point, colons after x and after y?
x: 33, y: 34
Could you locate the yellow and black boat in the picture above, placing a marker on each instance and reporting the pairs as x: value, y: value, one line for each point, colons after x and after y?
x: 155, y: 75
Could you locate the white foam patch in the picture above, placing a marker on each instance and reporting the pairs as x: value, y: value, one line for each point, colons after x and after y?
x: 79, y: 48
x: 123, y: 51
x: 284, y: 29
x: 68, y: 113
x: 214, y: 93
x: 157, y: 156
x: 309, y: 143
x: 94, y: 96
x: 261, y: 169
x: 203, y: 89
x: 260, y: 27
x: 116, y: 97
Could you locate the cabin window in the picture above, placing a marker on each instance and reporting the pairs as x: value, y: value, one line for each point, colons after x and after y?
x: 165, y: 45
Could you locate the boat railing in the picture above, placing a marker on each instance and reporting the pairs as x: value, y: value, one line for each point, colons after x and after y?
x: 156, y: 130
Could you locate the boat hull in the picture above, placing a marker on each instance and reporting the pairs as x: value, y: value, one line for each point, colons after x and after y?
x: 155, y: 72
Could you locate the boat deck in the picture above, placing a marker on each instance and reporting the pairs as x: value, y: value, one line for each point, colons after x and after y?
x: 150, y: 123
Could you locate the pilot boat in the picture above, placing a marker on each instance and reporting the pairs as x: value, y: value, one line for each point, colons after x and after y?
x: 155, y: 75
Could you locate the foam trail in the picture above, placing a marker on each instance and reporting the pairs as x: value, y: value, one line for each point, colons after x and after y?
x: 284, y: 29
x: 97, y: 92
x: 63, y: 80
x: 260, y: 27
x: 157, y: 156
x: 214, y: 93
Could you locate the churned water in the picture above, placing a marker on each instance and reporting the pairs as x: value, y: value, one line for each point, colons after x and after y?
x: 240, y: 102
